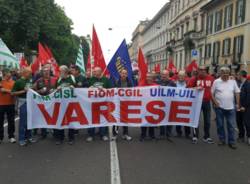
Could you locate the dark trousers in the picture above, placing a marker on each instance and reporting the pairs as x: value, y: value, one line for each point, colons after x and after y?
x: 151, y: 132
x: 9, y: 111
x: 240, y: 123
x: 206, y: 110
x: 103, y: 131
x: 166, y: 131
x: 124, y: 132
x: 43, y: 132
x: 186, y: 129
x: 59, y: 134
x: 247, y: 121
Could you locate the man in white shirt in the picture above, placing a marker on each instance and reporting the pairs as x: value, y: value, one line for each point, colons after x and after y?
x: 224, y: 92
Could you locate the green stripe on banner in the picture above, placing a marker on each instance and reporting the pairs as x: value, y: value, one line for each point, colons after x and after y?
x: 8, y: 55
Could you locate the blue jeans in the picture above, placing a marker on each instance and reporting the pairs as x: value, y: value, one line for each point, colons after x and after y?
x: 24, y: 133
x: 103, y: 131
x: 229, y: 115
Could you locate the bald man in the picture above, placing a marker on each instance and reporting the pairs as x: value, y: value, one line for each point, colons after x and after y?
x: 20, y: 89
x: 98, y: 81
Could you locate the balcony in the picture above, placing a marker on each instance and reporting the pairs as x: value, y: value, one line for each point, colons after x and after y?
x: 195, y: 35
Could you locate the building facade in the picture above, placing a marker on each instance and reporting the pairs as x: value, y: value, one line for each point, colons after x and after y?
x: 228, y: 34
x: 217, y: 30
x: 187, y: 31
x: 137, y: 40
x: 154, y: 38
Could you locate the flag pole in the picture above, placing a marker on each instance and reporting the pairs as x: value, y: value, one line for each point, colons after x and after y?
x: 104, y: 71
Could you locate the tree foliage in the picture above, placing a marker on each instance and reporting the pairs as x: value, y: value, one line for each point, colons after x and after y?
x: 24, y: 23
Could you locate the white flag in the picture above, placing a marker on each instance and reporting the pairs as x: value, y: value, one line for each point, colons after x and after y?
x: 7, y: 59
x: 80, y: 60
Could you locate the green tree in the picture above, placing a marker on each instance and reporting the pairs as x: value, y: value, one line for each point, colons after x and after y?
x: 24, y: 23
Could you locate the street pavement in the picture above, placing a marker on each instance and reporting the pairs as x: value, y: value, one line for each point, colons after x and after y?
x: 149, y: 162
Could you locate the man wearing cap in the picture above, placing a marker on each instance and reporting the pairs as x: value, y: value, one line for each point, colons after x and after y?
x: 224, y: 92
x: 203, y: 81
x: 245, y: 105
x: 7, y: 106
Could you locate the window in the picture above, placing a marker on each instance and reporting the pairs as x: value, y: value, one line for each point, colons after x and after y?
x: 182, y: 31
x: 195, y: 24
x: 210, y: 24
x: 216, y: 52
x: 226, y: 47
x: 240, y: 11
x: 187, y: 26
x: 200, y: 55
x: 208, y: 51
x: 228, y: 17
x: 238, y: 48
x: 202, y: 22
x: 218, y: 21
x: 177, y: 33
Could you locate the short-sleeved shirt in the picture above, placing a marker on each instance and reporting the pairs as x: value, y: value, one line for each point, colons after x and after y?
x: 81, y: 82
x: 67, y: 82
x: 47, y: 84
x: 6, y: 98
x: 20, y: 85
x: 224, y: 93
x: 100, y: 82
x: 205, y: 83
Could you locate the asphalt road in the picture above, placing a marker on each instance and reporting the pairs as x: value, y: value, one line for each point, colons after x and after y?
x: 149, y: 162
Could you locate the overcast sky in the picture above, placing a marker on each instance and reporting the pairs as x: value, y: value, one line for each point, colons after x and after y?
x: 121, y: 15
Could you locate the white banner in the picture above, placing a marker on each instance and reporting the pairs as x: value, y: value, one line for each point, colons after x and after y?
x: 133, y: 107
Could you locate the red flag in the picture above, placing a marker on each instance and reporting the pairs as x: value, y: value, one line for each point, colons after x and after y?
x: 42, y: 54
x: 49, y: 53
x: 89, y: 62
x: 97, y: 53
x: 157, y: 68
x: 171, y: 66
x: 36, y: 65
x: 248, y: 77
x: 55, y: 66
x: 192, y: 67
x: 52, y: 61
x: 143, y: 67
x: 23, y: 63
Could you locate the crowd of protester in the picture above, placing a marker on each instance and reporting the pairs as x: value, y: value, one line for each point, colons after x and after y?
x: 227, y: 94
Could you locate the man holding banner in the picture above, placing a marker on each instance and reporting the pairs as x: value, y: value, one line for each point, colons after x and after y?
x: 65, y: 81
x: 123, y: 82
x: 99, y: 82
x: 20, y: 89
x: 203, y: 81
x: 151, y: 130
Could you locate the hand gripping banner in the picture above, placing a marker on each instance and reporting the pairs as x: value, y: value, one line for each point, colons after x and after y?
x: 133, y: 107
